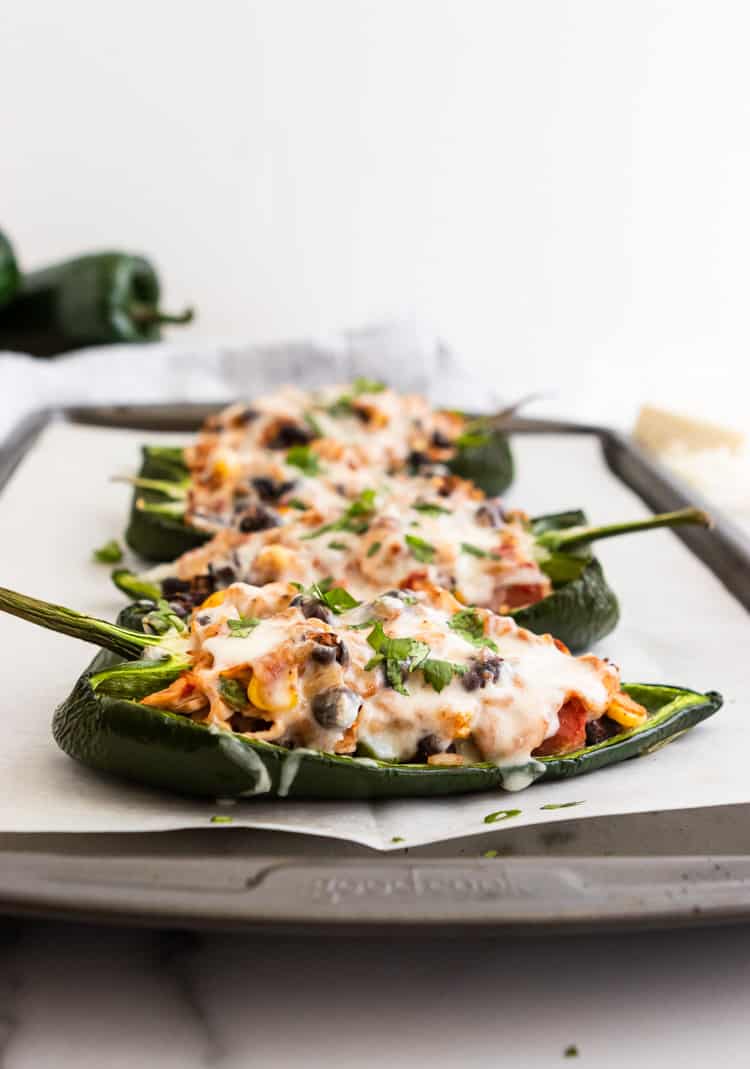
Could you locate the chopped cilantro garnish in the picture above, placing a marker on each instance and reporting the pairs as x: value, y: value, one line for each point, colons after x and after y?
x: 162, y: 619
x: 241, y: 628
x: 399, y: 656
x: 469, y: 625
x: 476, y: 551
x: 501, y: 814
x: 355, y: 518
x: 571, y: 1051
x: 313, y: 424
x: 438, y: 674
x: 363, y: 625
x: 374, y: 549
x: 472, y: 439
x: 397, y: 839
x: 109, y: 553
x: 296, y: 503
x: 338, y: 545
x: 336, y: 598
x: 233, y: 693
x: 423, y: 551
x: 430, y: 509
x: 302, y: 457
x: 343, y: 406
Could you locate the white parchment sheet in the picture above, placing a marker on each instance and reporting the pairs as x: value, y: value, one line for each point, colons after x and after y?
x: 679, y: 625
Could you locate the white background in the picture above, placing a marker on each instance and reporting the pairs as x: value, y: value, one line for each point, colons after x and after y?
x: 561, y: 188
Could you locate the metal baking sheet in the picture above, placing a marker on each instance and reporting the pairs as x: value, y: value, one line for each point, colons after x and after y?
x: 638, y: 870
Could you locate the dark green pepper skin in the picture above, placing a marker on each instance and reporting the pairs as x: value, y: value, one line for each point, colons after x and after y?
x: 9, y: 273
x: 579, y: 612
x: 106, y: 729
x: 96, y: 299
x: 488, y: 464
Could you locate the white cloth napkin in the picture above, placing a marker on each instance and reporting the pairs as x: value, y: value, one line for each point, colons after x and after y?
x: 400, y: 354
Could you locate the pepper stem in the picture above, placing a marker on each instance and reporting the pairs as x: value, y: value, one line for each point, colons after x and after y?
x: 497, y: 420
x: 571, y: 537
x: 148, y: 314
x: 119, y: 640
x: 173, y: 490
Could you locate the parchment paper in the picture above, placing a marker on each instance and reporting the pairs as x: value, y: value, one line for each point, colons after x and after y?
x: 679, y: 625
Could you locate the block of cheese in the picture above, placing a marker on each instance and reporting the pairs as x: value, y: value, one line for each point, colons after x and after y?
x: 660, y: 431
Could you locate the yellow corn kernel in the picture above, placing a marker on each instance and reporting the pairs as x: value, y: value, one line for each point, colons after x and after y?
x: 445, y: 760
x: 278, y: 699
x: 214, y: 599
x: 273, y: 561
x: 225, y: 468
x: 459, y: 596
x: 627, y: 712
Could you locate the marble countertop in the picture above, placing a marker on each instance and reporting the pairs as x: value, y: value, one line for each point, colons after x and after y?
x: 89, y: 997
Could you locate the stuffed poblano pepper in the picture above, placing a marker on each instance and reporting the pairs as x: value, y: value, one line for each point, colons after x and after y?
x: 413, y: 532
x: 309, y: 451
x: 271, y: 692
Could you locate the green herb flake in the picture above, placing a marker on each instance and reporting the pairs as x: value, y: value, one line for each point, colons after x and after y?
x: 476, y: 551
x: 161, y: 620
x: 341, y: 546
x: 421, y: 550
x: 399, y: 656
x: 356, y: 518
x: 571, y: 1051
x: 559, y: 805
x: 473, y: 439
x: 398, y: 839
x: 438, y: 674
x: 233, y: 693
x: 501, y: 814
x: 241, y: 628
x: 221, y: 818
x: 339, y: 600
x: 489, y: 853
x: 469, y: 625
x: 430, y: 509
x: 109, y: 553
x: 374, y: 548
x: 313, y: 424
x: 344, y: 405
x: 297, y: 503
x: 302, y: 457
x: 363, y: 625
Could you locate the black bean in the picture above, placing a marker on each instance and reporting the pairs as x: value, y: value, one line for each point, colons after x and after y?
x: 223, y: 576
x: 259, y: 518
x: 336, y: 707
x: 289, y: 434
x: 172, y: 586
x: 429, y: 745
x: 247, y: 415
x: 441, y: 440
x: 490, y: 513
x: 324, y: 654
x: 180, y: 608
x: 600, y: 730
x: 482, y: 671
x: 312, y: 608
x: 417, y: 459
x: 269, y: 489
x: 204, y: 619
x: 342, y: 654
